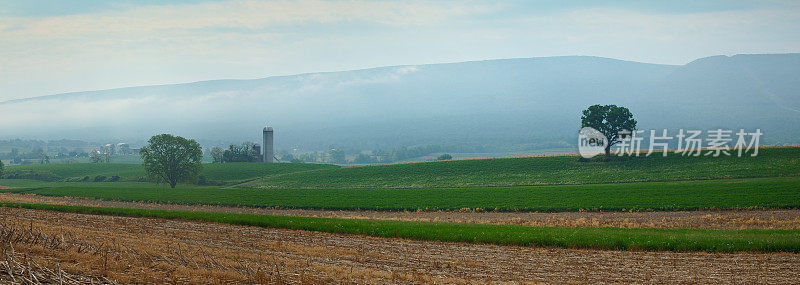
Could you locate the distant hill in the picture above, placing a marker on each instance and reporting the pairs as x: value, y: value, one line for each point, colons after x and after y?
x: 505, y: 105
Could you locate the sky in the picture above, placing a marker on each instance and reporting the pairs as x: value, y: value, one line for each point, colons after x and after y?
x: 51, y: 47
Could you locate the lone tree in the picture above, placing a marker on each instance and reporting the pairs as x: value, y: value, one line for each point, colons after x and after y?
x: 608, y: 120
x: 171, y: 159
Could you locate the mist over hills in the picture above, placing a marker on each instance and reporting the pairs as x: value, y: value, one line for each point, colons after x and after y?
x: 499, y: 105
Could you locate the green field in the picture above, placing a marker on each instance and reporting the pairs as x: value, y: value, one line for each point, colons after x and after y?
x: 226, y: 173
x: 556, y: 170
x: 561, y: 184
x: 544, y: 184
x: 777, y: 192
x: 596, y: 238
x: 38, y: 184
x: 76, y: 170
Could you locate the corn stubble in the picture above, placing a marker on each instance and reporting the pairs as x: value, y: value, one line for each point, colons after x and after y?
x: 41, y: 254
x: 143, y: 250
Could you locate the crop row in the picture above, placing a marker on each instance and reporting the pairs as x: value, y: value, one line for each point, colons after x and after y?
x: 595, y: 238
x: 776, y: 192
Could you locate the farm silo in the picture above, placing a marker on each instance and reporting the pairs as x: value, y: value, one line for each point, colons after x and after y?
x: 269, y: 151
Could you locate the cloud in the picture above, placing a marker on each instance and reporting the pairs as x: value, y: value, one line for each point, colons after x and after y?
x: 232, y: 14
x: 661, y: 27
x: 160, y: 44
x: 199, y: 28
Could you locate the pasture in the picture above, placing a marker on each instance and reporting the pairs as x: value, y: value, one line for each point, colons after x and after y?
x: 553, y: 170
x: 778, y: 192
x: 226, y: 173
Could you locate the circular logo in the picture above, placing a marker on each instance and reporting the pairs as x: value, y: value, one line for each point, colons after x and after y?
x: 591, y: 142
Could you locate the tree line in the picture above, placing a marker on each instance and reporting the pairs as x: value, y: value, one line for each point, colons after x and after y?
x: 246, y: 152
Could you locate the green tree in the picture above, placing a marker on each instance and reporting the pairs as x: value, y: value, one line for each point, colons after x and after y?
x: 44, y: 158
x: 171, y: 159
x: 124, y: 149
x: 364, y: 158
x: 609, y: 120
x: 287, y: 157
x: 95, y: 156
x: 445, y: 156
x: 1, y: 169
x: 337, y: 156
x: 216, y: 154
x: 309, y: 156
x: 107, y: 152
x: 240, y: 153
x: 15, y: 158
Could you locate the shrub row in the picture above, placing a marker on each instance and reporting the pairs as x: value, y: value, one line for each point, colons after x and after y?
x: 51, y: 177
x: 30, y: 174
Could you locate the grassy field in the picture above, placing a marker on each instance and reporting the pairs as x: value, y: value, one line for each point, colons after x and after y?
x: 776, y: 192
x: 38, y: 184
x: 219, y: 173
x: 233, y: 172
x: 554, y: 170
x: 595, y: 238
x: 76, y: 170
x: 562, y: 184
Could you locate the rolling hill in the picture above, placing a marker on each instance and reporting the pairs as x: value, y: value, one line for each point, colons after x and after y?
x: 554, y: 170
x: 213, y: 173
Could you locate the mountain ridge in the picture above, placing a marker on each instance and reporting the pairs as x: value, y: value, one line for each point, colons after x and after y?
x: 229, y: 80
x: 520, y: 103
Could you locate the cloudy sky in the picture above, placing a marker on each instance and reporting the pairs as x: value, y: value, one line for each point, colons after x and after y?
x: 49, y: 47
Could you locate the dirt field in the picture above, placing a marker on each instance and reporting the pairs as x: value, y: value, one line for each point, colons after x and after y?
x: 125, y: 250
x: 740, y: 219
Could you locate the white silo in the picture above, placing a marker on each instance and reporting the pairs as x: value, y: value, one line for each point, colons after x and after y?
x: 269, y: 151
